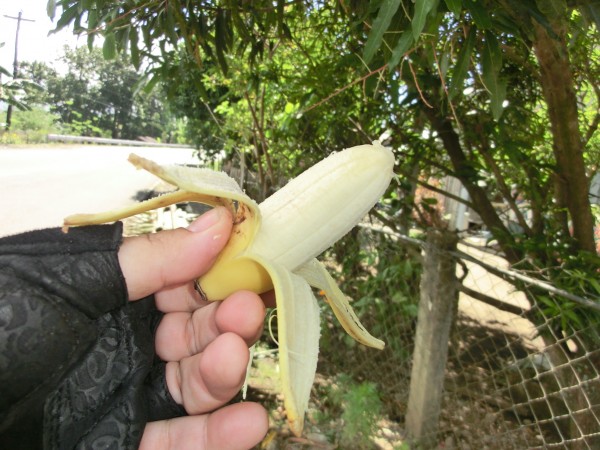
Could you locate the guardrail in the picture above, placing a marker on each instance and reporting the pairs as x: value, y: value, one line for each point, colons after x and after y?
x: 107, y: 141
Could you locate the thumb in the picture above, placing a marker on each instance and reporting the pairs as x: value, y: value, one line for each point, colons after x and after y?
x: 152, y: 262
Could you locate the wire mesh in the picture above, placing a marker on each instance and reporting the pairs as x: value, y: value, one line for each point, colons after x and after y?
x: 516, y: 376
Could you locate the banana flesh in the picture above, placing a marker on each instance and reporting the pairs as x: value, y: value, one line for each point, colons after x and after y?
x: 274, y: 245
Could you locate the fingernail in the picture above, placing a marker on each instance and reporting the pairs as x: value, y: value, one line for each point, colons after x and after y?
x: 207, y: 220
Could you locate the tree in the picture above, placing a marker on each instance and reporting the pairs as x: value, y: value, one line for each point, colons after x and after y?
x: 151, y: 31
x: 420, y: 57
x: 508, y: 95
x: 96, y: 96
x: 13, y: 90
x: 267, y: 108
x: 494, y: 39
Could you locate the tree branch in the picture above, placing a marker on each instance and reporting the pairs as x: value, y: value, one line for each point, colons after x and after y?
x: 505, y: 191
x: 503, y: 306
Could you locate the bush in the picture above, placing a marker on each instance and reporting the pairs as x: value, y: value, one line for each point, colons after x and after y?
x: 35, y: 119
x: 361, y: 409
x: 30, y: 127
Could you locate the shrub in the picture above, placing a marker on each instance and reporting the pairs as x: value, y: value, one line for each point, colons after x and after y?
x: 361, y: 409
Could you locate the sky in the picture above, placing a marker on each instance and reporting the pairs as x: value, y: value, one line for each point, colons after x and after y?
x: 34, y: 42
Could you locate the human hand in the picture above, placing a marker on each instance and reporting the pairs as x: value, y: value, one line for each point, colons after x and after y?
x: 205, y: 344
x: 78, y: 361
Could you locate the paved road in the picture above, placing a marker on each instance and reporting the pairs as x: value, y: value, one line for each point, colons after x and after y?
x: 41, y: 185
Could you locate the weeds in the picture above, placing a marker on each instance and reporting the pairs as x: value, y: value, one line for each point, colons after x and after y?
x: 361, y: 409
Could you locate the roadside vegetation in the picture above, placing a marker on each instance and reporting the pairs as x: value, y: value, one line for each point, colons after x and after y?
x: 90, y: 96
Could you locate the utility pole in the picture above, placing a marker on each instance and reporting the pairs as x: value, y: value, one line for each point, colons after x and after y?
x: 19, y: 18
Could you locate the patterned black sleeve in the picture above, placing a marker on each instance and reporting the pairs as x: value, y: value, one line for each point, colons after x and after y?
x: 77, y: 364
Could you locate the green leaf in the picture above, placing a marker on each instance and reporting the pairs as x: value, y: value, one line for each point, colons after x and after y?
x: 67, y: 17
x: 567, y: 312
x: 526, y: 9
x: 444, y: 63
x: 240, y: 25
x: 492, y: 56
x: 404, y: 44
x: 90, y: 41
x: 150, y: 82
x: 134, y: 48
x: 490, y: 66
x: 380, y: 25
x: 591, y: 13
x: 287, y: 33
x: 221, y: 40
x: 92, y: 19
x: 122, y: 39
x: 109, y: 49
x: 594, y: 284
x: 51, y: 9
x: 552, y: 9
x: 422, y: 8
x: 479, y: 13
x: 289, y: 108
x: 503, y: 22
x: 280, y: 18
x: 462, y: 65
x: 171, y: 26
x: 498, y: 95
x: 455, y: 7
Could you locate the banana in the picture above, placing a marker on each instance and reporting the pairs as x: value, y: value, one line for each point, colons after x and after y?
x: 274, y: 246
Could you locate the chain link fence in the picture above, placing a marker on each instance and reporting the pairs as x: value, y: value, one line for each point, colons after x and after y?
x: 507, y: 374
x: 515, y: 374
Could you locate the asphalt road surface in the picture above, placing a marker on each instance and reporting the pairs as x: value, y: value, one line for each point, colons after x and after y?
x: 42, y: 185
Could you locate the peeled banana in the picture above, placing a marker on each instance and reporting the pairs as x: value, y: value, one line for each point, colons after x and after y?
x: 273, y: 246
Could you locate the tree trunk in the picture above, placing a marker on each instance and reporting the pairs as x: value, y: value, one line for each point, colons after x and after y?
x: 559, y: 92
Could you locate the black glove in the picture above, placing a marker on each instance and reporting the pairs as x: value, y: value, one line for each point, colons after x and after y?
x: 77, y: 364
